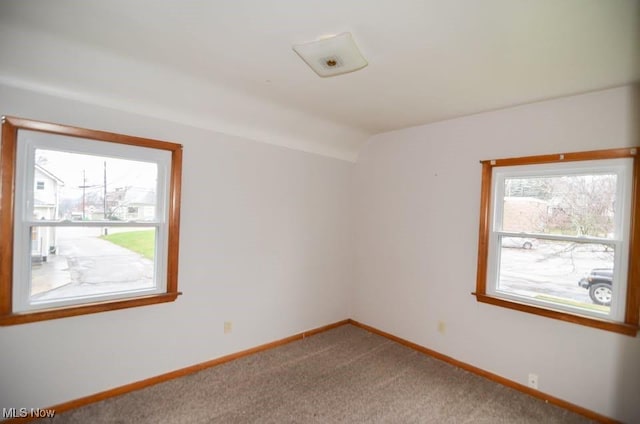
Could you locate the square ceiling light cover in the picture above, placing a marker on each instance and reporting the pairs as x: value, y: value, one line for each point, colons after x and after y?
x: 332, y: 56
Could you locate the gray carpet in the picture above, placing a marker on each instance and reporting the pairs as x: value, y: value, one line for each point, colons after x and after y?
x: 346, y: 375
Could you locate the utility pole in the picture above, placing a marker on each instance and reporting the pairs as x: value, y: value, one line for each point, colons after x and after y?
x: 104, y: 214
x: 105, y: 192
x: 84, y: 188
x: 84, y: 191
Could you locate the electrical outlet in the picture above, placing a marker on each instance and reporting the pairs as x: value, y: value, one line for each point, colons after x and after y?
x: 228, y: 326
x: 533, y: 381
x: 442, y: 327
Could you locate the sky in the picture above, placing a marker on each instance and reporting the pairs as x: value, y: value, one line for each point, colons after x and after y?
x: 69, y: 167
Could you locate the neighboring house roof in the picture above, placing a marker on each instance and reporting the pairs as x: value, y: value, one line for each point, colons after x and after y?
x: 139, y: 196
x: 49, y: 174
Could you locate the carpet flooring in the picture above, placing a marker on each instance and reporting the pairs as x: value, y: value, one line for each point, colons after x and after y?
x: 345, y: 375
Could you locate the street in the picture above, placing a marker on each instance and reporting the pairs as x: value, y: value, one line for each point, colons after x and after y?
x: 552, y: 269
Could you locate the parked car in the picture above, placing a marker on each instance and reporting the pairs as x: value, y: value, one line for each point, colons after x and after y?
x: 519, y: 242
x: 599, y: 283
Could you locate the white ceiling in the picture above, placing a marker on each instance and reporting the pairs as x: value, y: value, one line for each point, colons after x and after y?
x: 229, y: 66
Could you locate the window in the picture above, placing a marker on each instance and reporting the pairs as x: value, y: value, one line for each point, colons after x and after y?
x: 80, y: 246
x: 557, y: 233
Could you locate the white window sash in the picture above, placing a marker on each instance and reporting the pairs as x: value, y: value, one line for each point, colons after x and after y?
x: 623, y: 168
x: 28, y: 143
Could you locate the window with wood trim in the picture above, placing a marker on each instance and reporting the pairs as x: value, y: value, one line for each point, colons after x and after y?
x: 89, y: 221
x: 559, y: 235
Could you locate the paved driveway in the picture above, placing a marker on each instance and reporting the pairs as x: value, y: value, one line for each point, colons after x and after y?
x: 86, y: 264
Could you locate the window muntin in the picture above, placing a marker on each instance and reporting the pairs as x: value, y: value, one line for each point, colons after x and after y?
x: 54, y: 239
x: 548, y: 222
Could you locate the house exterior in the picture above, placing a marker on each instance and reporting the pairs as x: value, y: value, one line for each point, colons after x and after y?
x: 524, y: 214
x: 46, y: 206
x: 132, y: 204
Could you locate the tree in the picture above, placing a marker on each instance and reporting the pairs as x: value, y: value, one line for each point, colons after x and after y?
x: 583, y: 205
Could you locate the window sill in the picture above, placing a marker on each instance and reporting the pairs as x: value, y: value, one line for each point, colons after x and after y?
x: 89, y: 308
x: 616, y: 327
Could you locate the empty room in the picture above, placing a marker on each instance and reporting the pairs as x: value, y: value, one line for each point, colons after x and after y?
x: 344, y: 211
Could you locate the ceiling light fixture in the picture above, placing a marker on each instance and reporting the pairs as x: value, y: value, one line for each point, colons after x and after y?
x: 332, y: 55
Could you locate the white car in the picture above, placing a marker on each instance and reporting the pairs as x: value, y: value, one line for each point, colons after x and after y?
x: 519, y: 242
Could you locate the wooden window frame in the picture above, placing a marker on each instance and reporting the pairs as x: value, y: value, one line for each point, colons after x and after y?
x: 632, y: 308
x: 8, y: 167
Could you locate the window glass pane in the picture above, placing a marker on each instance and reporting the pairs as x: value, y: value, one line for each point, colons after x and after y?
x: 576, y: 205
x: 93, y: 187
x: 75, y: 262
x: 568, y: 274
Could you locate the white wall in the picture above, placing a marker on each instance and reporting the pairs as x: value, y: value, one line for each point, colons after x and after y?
x: 265, y: 243
x: 417, y: 209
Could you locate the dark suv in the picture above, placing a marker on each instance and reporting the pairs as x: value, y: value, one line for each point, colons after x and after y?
x: 599, y: 283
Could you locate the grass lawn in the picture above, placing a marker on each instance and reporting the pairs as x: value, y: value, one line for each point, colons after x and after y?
x: 143, y: 242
